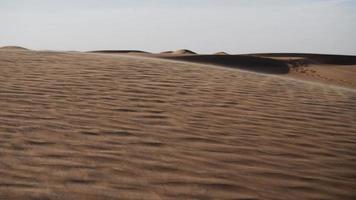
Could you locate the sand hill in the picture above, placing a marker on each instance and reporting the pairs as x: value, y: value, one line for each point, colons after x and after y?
x: 97, y: 126
x: 166, y: 52
x: 221, y: 53
x: 178, y: 52
x: 183, y: 52
x: 118, y: 51
x: 13, y: 48
x: 331, y: 69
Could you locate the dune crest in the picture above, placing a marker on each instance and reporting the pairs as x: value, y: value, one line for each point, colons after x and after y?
x: 118, y: 51
x: 13, y: 48
x: 331, y: 69
x: 221, y: 53
x: 183, y: 52
x: 166, y: 52
x: 179, y: 52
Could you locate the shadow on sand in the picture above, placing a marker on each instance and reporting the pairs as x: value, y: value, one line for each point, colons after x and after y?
x: 251, y: 63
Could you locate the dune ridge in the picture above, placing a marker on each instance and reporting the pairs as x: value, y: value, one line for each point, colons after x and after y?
x: 13, y: 48
x: 337, y: 70
x: 117, y: 51
x: 183, y: 52
x: 178, y: 52
x: 221, y: 53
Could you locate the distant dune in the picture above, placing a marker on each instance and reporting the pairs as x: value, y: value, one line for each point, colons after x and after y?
x: 166, y: 52
x: 179, y: 52
x: 332, y: 69
x: 221, y: 53
x: 183, y: 52
x: 117, y: 51
x: 17, y: 48
x: 88, y: 126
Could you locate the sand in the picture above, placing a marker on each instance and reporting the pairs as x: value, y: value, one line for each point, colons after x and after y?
x: 344, y: 76
x: 329, y: 69
x: 246, y: 62
x: 91, y: 126
x: 336, y: 70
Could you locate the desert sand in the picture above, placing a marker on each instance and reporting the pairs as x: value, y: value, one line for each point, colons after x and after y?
x: 330, y: 69
x: 337, y: 70
x: 117, y: 126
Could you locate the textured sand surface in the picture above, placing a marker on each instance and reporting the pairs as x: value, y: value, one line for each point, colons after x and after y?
x: 337, y: 70
x: 330, y: 74
x: 87, y: 126
x: 330, y: 69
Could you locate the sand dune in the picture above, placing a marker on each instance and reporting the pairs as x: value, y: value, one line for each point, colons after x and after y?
x: 331, y: 69
x: 93, y: 126
x: 183, y: 52
x: 166, y: 52
x: 221, y: 53
x: 117, y: 51
x: 16, y: 48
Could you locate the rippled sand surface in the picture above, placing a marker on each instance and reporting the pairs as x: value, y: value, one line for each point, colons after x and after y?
x: 80, y: 126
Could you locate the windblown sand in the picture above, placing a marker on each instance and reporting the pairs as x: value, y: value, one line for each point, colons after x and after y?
x: 330, y: 74
x: 88, y: 126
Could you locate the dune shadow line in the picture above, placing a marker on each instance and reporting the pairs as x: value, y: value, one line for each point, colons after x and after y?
x: 251, y: 63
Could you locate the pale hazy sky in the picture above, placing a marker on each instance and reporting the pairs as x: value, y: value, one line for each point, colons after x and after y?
x: 205, y: 26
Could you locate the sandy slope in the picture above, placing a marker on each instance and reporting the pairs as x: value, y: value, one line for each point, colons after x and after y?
x: 330, y: 69
x: 88, y: 126
x: 341, y: 75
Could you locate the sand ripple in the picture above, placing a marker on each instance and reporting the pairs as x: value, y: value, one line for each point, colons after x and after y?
x: 80, y: 126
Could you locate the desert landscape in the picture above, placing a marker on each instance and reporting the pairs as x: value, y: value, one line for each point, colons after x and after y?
x: 122, y: 124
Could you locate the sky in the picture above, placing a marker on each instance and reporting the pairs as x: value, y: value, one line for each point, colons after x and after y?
x: 204, y: 26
